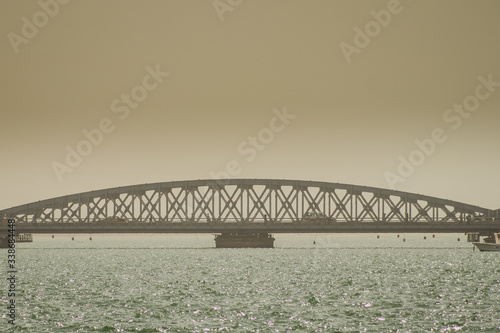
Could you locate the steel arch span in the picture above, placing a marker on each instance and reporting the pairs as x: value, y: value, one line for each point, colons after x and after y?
x: 269, y: 205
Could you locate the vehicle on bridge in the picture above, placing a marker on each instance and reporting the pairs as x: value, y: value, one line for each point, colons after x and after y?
x: 318, y: 217
x: 476, y: 218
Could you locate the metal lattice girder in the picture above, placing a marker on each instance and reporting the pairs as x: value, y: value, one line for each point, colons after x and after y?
x: 246, y: 200
x: 123, y: 205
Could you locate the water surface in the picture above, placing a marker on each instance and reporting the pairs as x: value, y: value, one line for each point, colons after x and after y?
x: 309, y: 283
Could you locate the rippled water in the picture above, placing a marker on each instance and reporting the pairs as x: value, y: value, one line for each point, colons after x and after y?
x: 180, y: 283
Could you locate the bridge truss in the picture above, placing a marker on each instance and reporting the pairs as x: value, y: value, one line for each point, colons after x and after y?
x: 248, y: 201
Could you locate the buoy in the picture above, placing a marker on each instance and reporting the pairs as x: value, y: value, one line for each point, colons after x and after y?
x: 72, y: 238
x: 458, y: 239
x: 398, y: 236
x: 378, y: 236
x: 404, y: 239
x: 433, y: 236
x: 52, y: 236
x: 90, y: 238
x: 425, y: 237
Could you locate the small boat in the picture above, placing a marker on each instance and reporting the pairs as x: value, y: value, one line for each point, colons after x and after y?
x: 488, y: 245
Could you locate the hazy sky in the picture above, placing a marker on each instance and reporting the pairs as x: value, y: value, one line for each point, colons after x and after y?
x: 357, y: 93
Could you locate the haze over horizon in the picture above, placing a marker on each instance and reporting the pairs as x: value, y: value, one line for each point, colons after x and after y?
x: 352, y: 92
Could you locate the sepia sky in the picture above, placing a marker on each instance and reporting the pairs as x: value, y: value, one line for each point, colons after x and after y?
x: 335, y: 91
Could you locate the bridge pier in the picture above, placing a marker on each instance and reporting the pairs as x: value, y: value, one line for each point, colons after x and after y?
x: 20, y: 238
x: 4, y: 241
x: 24, y: 238
x: 244, y: 240
x: 489, y: 236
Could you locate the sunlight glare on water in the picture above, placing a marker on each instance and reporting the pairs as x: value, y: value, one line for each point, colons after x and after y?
x: 308, y: 283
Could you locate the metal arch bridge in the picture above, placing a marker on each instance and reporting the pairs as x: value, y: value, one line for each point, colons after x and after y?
x: 248, y: 205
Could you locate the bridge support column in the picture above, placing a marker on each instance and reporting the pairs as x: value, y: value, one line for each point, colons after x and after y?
x: 473, y: 237
x: 476, y: 237
x: 24, y: 238
x: 244, y: 240
x: 4, y: 241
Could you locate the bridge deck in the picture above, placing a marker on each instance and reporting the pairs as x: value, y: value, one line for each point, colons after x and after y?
x: 200, y: 227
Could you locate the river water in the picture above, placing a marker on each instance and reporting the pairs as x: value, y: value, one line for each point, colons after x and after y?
x: 308, y: 283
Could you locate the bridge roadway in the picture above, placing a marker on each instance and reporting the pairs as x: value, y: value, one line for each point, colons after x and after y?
x: 488, y: 227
